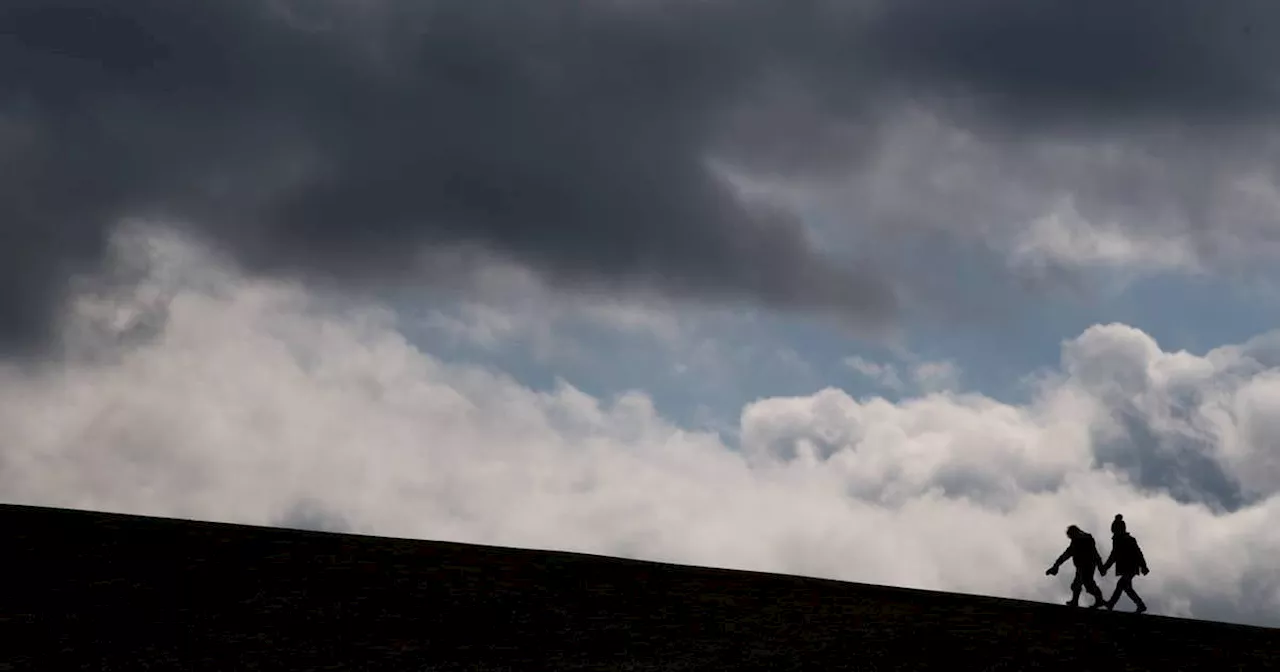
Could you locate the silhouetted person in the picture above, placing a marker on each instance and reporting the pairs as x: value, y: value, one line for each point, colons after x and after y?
x: 1128, y: 559
x: 1084, y: 553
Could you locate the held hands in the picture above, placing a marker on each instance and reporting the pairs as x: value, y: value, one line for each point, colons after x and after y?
x: 1145, y: 571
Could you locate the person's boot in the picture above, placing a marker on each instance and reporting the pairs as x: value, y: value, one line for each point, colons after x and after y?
x: 1141, y: 608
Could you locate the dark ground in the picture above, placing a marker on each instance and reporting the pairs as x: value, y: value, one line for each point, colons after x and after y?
x: 111, y: 592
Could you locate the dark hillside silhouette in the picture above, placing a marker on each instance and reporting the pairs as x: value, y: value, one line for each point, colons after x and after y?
x: 112, y: 592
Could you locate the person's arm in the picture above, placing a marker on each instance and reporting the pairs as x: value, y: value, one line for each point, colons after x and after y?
x: 1142, y: 560
x: 1061, y: 559
x: 1104, y: 566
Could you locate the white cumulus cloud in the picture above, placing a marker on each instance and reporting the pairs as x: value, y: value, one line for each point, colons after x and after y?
x: 191, y: 390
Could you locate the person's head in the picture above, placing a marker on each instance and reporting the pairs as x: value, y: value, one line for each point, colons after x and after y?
x: 1117, y: 525
x: 1074, y: 532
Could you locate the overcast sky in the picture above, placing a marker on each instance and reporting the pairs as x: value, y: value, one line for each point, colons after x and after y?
x: 883, y: 291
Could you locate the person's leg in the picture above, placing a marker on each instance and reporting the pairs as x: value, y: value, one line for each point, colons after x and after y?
x: 1122, y: 586
x: 1133, y: 594
x: 1092, y: 586
x: 1115, y: 595
x: 1075, y: 591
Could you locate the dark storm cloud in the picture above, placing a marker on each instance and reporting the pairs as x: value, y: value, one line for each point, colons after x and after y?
x: 1091, y: 61
x: 340, y: 137
x: 572, y: 136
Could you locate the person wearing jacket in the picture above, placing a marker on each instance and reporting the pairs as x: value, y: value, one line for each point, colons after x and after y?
x: 1084, y: 553
x: 1127, y: 557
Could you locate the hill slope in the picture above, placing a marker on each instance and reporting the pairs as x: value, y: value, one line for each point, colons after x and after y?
x: 103, y: 591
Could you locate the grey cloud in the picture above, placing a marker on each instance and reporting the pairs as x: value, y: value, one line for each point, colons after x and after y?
x: 339, y: 138
x: 1187, y: 425
x: 1180, y: 463
x: 312, y: 514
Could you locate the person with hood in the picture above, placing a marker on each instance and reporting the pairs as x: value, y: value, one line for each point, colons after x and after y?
x: 1084, y: 553
x: 1127, y: 556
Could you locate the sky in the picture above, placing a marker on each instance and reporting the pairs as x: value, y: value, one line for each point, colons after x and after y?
x: 883, y: 292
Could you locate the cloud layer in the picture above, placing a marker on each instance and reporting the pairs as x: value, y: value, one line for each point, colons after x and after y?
x: 595, y: 141
x: 188, y: 389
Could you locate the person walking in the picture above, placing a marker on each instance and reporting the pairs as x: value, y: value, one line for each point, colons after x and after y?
x: 1127, y: 557
x: 1084, y: 553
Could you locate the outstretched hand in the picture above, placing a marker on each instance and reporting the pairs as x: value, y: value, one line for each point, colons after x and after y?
x: 1145, y: 571
x: 1052, y: 571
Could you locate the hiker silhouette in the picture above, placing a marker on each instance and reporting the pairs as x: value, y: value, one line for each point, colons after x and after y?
x: 1084, y: 552
x: 1127, y: 556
